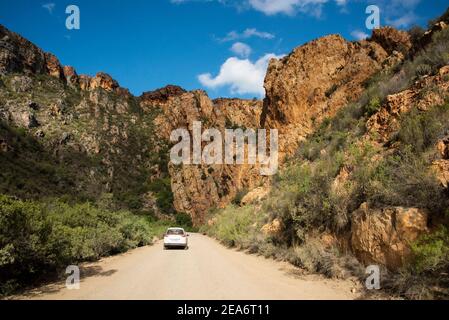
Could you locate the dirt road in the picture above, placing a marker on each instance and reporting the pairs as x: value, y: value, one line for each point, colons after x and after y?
x: 206, y: 271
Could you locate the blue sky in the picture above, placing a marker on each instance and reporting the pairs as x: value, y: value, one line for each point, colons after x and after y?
x: 222, y: 46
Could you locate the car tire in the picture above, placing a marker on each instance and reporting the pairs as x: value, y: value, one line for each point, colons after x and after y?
x: 186, y: 248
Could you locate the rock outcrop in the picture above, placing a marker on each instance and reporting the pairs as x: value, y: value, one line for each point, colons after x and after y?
x: 19, y: 55
x: 255, y: 196
x: 71, y: 76
x: 272, y: 229
x: 314, y: 82
x: 53, y: 67
x: 384, y: 123
x: 383, y: 236
x: 392, y: 40
x: 197, y: 188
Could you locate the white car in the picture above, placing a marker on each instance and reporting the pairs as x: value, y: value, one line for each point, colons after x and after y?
x: 175, y: 238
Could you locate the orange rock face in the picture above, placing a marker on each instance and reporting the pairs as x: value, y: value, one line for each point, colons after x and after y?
x: 53, y: 66
x: 104, y: 81
x: 383, y: 236
x: 70, y: 75
x: 302, y: 89
x: 391, y: 39
x: 314, y: 82
x: 197, y: 188
x: 385, y: 122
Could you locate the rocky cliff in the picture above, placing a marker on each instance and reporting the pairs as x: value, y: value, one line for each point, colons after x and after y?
x: 69, y: 134
x: 318, y: 78
x: 96, y: 117
x: 304, y: 88
x: 107, y: 141
x: 196, y: 189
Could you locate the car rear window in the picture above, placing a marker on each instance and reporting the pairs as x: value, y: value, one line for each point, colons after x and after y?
x: 175, y: 232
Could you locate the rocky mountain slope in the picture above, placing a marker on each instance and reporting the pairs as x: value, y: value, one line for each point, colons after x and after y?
x: 351, y: 118
x: 102, y: 123
x: 309, y: 85
x: 364, y: 136
x: 103, y: 140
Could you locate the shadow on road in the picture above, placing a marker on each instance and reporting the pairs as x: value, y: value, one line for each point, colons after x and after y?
x: 95, y: 271
x: 86, y: 272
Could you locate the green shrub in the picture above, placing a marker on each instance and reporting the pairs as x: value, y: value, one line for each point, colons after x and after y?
x: 421, y: 129
x: 41, y: 238
x: 431, y: 251
x: 234, y: 226
x: 164, y: 195
x: 431, y: 58
x: 373, y: 106
x: 423, y: 69
x: 405, y: 179
x: 184, y: 220
x: 426, y: 275
x: 239, y: 196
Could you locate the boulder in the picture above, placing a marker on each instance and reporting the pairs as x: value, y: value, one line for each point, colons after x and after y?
x: 255, y: 195
x: 443, y: 147
x: 441, y: 169
x: 273, y: 228
x: 25, y: 119
x: 383, y: 236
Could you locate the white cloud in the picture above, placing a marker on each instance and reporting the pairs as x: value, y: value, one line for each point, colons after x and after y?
x: 291, y: 7
x: 359, y: 35
x: 241, y: 75
x: 270, y: 7
x: 341, y: 2
x: 253, y: 32
x: 49, y: 7
x: 241, y: 49
x: 273, y: 7
x: 246, y: 34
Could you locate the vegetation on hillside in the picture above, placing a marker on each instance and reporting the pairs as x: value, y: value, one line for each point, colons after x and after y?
x: 72, y: 188
x: 306, y: 202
